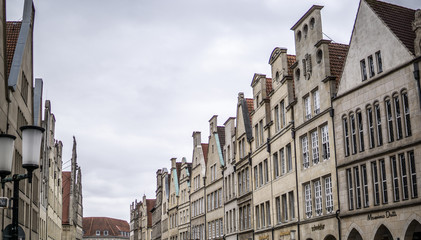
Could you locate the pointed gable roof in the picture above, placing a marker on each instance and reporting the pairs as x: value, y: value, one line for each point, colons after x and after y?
x: 112, y: 225
x: 398, y: 19
x: 205, y: 148
x: 150, y: 203
x: 12, y: 35
x: 66, y: 178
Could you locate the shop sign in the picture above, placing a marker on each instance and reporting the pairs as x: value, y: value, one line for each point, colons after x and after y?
x: 264, y: 237
x: 281, y: 234
x: 318, y: 227
x: 387, y: 214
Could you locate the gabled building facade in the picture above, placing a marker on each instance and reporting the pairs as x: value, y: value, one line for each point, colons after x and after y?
x: 184, y: 201
x: 157, y: 209
x: 165, y: 203
x: 377, y: 125
x: 173, y: 217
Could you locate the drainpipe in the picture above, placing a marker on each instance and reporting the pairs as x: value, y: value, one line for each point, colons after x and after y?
x: 332, y: 115
x: 205, y: 200
x: 417, y: 78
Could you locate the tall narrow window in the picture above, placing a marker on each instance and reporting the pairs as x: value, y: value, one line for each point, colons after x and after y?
x: 249, y: 215
x: 350, y: 189
x: 363, y: 70
x: 256, y: 135
x: 278, y: 209
x: 407, y: 115
x: 360, y: 131
x: 307, y: 191
x: 257, y: 217
x: 371, y: 65
x: 277, y: 120
x: 256, y: 178
x: 357, y: 188
x: 307, y: 107
x: 239, y: 179
x: 404, y: 176
x: 291, y: 204
x: 325, y: 143
x: 353, y: 134
x: 384, y: 181
x: 260, y: 174
x: 261, y: 132
x: 379, y: 62
x: 395, y: 177
x: 315, y: 146
x: 262, y: 215
x: 275, y: 165
x: 283, y: 169
x: 268, y: 213
x: 376, y: 186
x: 304, y: 144
x: 413, y: 172
x: 316, y: 100
x: 346, y: 135
x: 289, y: 158
x: 398, y: 117
x: 318, y: 197
x: 285, y: 207
x: 247, y: 183
x: 370, y: 126
x: 389, y: 116
x: 328, y: 194
x: 265, y: 162
x: 365, y: 184
x: 282, y: 114
x: 379, y: 125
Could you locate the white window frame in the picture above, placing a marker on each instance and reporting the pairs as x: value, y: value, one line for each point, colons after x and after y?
x: 308, y: 200
x: 316, y: 100
x: 304, y: 145
x: 318, y: 197
x: 328, y: 194
x: 315, y: 146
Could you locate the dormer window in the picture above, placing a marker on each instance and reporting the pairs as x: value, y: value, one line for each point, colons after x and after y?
x: 98, y: 232
x: 105, y: 233
x: 277, y: 76
x: 257, y: 101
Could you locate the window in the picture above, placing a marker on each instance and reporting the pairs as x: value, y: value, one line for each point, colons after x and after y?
x: 375, y: 183
x: 304, y: 143
x: 398, y: 117
x: 371, y: 65
x: 346, y: 136
x: 360, y: 130
x: 307, y: 191
x: 407, y: 115
x: 389, y: 119
x: 316, y: 100
x: 291, y: 204
x: 24, y: 88
x: 315, y: 146
x: 413, y: 173
x: 328, y: 194
x: 268, y: 213
x: 357, y: 188
x: 379, y: 125
x: 325, y: 143
x: 370, y: 126
x: 353, y: 134
x: 282, y: 114
x: 283, y: 169
x: 278, y: 209
x: 275, y: 165
x: 365, y: 184
x: 256, y: 135
x: 261, y: 132
x: 379, y: 62
x: 307, y: 108
x: 97, y: 232
x: 350, y: 189
x: 277, y: 120
x: 363, y: 70
x: 404, y: 177
x: 395, y: 177
x: 318, y: 197
x: 260, y: 174
x: 256, y: 179
x: 285, y: 207
x: 262, y: 216
x: 257, y: 217
x: 384, y: 183
x: 289, y: 158
x: 265, y: 162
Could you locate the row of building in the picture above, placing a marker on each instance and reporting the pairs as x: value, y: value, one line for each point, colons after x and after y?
x: 328, y: 147
x: 51, y: 206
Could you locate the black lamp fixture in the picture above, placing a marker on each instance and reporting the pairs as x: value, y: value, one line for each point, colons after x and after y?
x: 31, y: 151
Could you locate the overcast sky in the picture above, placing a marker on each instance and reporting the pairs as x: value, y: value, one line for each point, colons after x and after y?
x: 132, y: 79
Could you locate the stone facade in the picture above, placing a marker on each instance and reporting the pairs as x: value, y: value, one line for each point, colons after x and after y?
x: 377, y: 127
x: 326, y: 148
x: 157, y: 210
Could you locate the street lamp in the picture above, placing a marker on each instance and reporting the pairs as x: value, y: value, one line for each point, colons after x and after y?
x: 31, y: 150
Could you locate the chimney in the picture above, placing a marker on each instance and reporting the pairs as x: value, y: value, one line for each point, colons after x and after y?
x: 213, y: 124
x: 173, y: 161
x: 416, y: 27
x: 197, y: 139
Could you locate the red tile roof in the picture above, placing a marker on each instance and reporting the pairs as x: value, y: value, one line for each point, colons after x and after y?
x: 268, y: 85
x: 205, y: 148
x: 399, y: 20
x: 66, y: 197
x: 221, y: 134
x: 337, y: 55
x: 291, y: 59
x: 150, y: 203
x: 250, y: 105
x: 112, y: 225
x: 12, y: 35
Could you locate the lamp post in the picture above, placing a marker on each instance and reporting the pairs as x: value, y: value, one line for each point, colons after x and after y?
x: 31, y: 150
